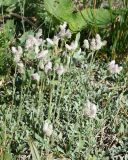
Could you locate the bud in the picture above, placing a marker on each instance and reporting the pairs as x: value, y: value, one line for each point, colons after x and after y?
x: 114, y: 68
x: 86, y: 44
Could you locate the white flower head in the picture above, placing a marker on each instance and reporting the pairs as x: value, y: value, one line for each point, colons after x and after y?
x: 36, y: 77
x: 17, y: 53
x: 68, y: 34
x: 96, y: 43
x: 33, y: 41
x: 98, y: 38
x: 43, y: 54
x: 99, y: 42
x: 86, y: 44
x: 48, y: 67
x: 63, y: 32
x: 68, y: 47
x: 14, y: 50
x: 54, y: 41
x: 48, y: 129
x: 112, y: 63
x: 90, y: 109
x: 30, y: 42
x: 50, y: 41
x: 114, y: 68
x: 93, y: 44
x: 63, y: 27
x: 59, y: 69
x: 72, y: 47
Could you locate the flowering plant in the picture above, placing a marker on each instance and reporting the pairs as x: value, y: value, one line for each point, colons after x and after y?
x: 52, y: 56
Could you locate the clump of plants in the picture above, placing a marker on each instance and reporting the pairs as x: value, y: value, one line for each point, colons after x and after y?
x: 52, y: 56
x: 63, y: 103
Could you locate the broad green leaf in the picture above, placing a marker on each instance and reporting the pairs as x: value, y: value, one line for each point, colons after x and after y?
x: 63, y: 11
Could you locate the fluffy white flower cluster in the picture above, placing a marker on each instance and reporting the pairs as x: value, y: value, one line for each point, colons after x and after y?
x: 113, y: 67
x: 35, y: 44
x: 72, y: 47
x: 48, y: 129
x: 34, y: 41
x: 48, y: 66
x: 54, y: 41
x: 17, y: 53
x: 60, y: 69
x: 63, y: 32
x: 95, y: 44
x: 35, y: 77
